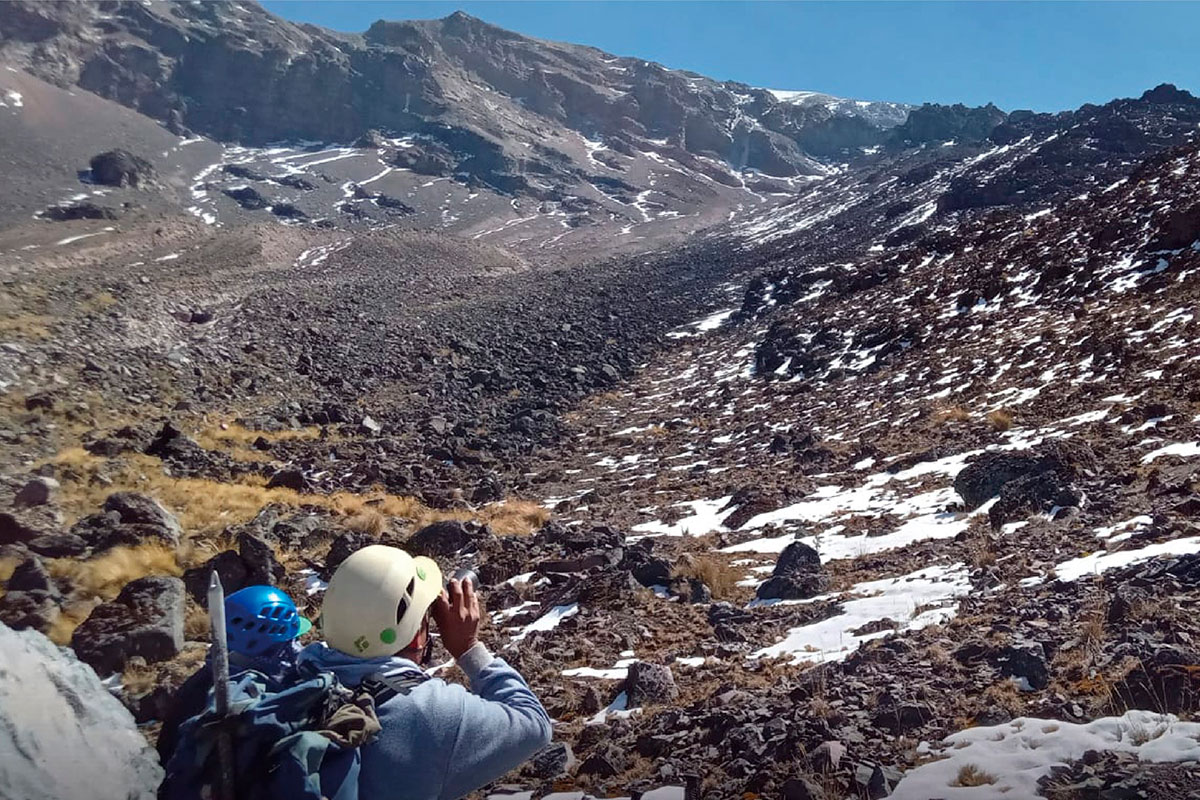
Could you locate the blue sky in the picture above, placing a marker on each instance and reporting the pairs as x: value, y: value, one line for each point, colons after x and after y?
x: 1047, y: 56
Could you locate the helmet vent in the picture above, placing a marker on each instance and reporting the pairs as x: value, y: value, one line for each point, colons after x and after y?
x: 401, y: 610
x: 412, y: 584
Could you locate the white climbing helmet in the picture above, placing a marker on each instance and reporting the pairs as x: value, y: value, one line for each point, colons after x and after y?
x: 377, y: 599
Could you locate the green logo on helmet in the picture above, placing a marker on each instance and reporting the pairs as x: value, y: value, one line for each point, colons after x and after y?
x: 362, y: 643
x: 421, y: 572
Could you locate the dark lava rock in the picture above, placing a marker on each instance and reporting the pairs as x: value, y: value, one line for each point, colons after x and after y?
x: 1030, y: 494
x: 31, y: 576
x: 85, y: 210
x: 802, y: 788
x: 900, y: 717
x: 446, y: 538
x: 610, y: 589
x: 649, y: 684
x: 31, y: 610
x: 138, y: 509
x: 986, y: 474
x: 262, y: 568
x: 647, y: 569
x: 1025, y: 660
x: 605, y: 761
x: 289, y: 478
x: 145, y: 620
x: 58, y: 545
x: 797, y: 575
x: 551, y: 761
x: 37, y: 492
x: 248, y: 198
x: 343, y: 547
x: 228, y: 564
x: 22, y: 527
x: 797, y: 557
x: 122, y: 168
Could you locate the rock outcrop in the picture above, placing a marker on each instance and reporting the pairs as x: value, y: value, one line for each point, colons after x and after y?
x: 62, y: 735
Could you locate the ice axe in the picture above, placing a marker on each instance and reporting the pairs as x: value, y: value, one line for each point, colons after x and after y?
x: 220, y: 668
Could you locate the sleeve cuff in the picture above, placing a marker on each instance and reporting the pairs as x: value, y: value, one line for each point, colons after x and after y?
x: 474, y: 660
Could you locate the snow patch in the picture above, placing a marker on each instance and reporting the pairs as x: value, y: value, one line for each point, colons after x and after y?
x: 1018, y: 753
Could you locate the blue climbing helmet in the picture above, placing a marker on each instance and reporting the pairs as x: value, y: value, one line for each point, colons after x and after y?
x: 259, y: 617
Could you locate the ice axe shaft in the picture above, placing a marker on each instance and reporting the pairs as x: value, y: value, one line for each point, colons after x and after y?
x: 220, y: 668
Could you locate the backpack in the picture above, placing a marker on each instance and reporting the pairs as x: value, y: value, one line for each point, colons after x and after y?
x: 299, y: 741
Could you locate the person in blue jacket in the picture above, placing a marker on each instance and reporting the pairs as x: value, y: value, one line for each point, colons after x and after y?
x: 438, y: 739
x: 262, y: 626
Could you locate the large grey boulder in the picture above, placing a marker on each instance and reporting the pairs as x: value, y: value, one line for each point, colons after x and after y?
x: 62, y: 735
x: 145, y: 620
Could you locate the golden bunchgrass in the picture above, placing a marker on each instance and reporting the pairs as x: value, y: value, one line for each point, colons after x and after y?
x: 206, y: 506
x: 103, y: 576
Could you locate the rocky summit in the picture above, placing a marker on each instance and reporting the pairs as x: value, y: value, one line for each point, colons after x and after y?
x: 805, y: 447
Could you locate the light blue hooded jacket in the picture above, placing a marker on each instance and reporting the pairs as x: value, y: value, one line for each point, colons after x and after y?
x: 439, y: 741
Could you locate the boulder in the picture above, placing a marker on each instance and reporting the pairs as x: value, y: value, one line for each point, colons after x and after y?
x: 986, y: 474
x: 145, y: 620
x: 138, y: 509
x: 649, y: 684
x: 22, y: 527
x: 446, y: 538
x: 794, y: 586
x: 122, y: 168
x: 289, y: 478
x: 229, y: 566
x: 551, y: 761
x: 58, y: 545
x: 31, y: 576
x: 24, y: 610
x: 37, y: 492
x: 605, y: 761
x: 262, y: 568
x: 797, y: 557
x: 1027, y: 660
x: 63, y: 736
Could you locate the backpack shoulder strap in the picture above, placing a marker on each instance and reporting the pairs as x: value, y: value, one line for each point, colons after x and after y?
x: 383, y: 687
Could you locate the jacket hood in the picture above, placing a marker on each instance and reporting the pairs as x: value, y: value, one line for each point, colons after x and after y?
x: 349, y: 669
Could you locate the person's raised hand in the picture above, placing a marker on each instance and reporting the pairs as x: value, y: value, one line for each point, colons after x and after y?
x: 457, y: 616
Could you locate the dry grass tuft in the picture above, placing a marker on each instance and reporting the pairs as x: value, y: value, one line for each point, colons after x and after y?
x: 70, y: 617
x: 716, y: 574
x: 7, y: 567
x: 138, y: 678
x: 515, y: 517
x: 103, y: 576
x: 196, y: 624
x: 1001, y: 419
x: 27, y: 326
x: 1006, y: 695
x: 369, y: 522
x: 947, y: 414
x: 235, y: 435
x: 206, y: 507
x: 971, y: 775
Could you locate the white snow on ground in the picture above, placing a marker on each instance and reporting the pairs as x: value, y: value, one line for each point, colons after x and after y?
x: 706, y: 516
x: 1016, y: 754
x: 1098, y: 562
x: 617, y: 672
x: 895, y: 599
x: 71, y: 239
x: 709, y: 323
x: 1182, y: 449
x: 12, y: 99
x: 548, y: 621
x: 312, y: 582
x: 1123, y: 530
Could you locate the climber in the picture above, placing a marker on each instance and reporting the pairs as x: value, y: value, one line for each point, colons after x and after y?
x: 438, y: 739
x: 263, y: 628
